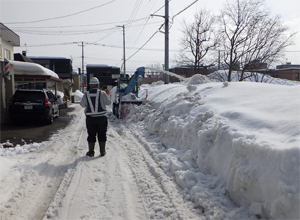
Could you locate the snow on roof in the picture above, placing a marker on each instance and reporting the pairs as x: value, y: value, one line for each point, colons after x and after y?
x: 25, y: 68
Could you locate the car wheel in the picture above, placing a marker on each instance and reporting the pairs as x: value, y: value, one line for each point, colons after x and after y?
x: 57, y: 113
x: 50, y: 120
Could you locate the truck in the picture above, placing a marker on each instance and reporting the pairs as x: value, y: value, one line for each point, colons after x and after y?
x: 127, y: 86
x: 107, y: 75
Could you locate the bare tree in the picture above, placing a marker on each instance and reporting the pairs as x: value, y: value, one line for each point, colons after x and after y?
x: 198, y: 40
x: 251, y: 36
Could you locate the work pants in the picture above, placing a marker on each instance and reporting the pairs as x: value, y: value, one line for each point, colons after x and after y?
x: 96, y: 127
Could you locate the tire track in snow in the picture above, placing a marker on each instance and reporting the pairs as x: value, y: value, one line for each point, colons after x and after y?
x: 160, y: 195
x: 41, y: 174
x: 98, y: 188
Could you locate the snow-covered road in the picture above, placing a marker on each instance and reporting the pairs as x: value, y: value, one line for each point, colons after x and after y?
x: 125, y: 184
x: 57, y: 180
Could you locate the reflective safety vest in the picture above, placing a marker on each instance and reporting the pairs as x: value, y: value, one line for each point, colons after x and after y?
x: 93, y: 103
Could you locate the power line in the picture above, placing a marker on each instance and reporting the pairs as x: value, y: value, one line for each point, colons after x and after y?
x: 183, y: 10
x: 139, y: 34
x: 95, y: 44
x: 86, y: 25
x: 158, y: 30
x: 64, y: 16
x: 160, y: 8
x: 71, y: 32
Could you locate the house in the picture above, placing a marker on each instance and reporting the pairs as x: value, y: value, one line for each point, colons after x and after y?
x: 19, y: 74
x: 8, y: 40
x: 188, y: 71
x: 287, y: 71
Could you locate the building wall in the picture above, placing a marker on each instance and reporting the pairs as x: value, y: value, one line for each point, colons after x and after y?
x: 287, y: 66
x: 189, y: 71
x: 2, y: 94
x: 7, y: 50
x: 8, y: 39
x: 7, y: 90
x: 290, y: 74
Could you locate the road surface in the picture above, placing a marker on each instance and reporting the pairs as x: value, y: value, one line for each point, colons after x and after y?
x: 60, y: 182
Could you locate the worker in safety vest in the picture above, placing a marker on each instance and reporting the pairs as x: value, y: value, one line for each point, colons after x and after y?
x: 94, y: 101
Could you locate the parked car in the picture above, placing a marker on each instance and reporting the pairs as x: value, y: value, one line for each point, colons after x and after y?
x: 33, y: 104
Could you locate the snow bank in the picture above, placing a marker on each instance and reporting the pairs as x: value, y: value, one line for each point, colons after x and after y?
x: 77, y: 96
x: 221, y: 76
x: 22, y: 149
x: 244, y: 134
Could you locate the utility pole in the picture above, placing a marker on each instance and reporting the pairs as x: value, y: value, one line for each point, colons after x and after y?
x: 166, y: 40
x: 124, y: 58
x: 166, y: 17
x: 82, y: 60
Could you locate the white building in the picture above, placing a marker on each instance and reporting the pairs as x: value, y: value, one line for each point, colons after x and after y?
x: 8, y: 40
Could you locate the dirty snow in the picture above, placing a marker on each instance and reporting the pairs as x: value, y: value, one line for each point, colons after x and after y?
x: 193, y: 150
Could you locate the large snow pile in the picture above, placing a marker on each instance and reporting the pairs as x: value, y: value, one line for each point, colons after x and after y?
x: 221, y: 76
x: 245, y: 134
x: 77, y: 96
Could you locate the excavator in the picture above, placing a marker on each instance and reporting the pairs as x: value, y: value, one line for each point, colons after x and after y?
x: 127, y: 93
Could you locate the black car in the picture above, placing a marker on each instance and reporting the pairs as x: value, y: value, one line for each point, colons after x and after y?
x: 39, y: 105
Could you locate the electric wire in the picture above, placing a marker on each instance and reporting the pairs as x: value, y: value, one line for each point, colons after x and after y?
x: 64, y: 16
x: 75, y: 32
x: 64, y: 32
x: 158, y: 30
x: 111, y: 30
x: 183, y: 10
x: 139, y: 35
x: 86, y: 25
x: 94, y: 44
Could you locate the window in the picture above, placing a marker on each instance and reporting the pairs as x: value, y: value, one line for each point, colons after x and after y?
x: 7, y: 54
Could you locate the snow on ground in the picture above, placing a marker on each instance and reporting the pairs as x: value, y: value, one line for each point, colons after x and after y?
x: 222, y: 75
x: 245, y: 134
x: 192, y: 150
x: 77, y: 96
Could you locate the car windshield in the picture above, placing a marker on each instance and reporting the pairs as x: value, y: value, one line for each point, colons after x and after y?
x: 29, y: 96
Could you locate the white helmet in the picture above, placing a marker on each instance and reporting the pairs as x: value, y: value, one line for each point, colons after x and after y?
x: 94, y: 81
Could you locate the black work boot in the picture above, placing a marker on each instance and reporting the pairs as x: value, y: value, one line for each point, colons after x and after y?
x: 91, y: 151
x: 102, y: 148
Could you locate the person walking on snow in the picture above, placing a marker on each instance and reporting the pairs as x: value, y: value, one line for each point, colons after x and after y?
x: 94, y: 101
